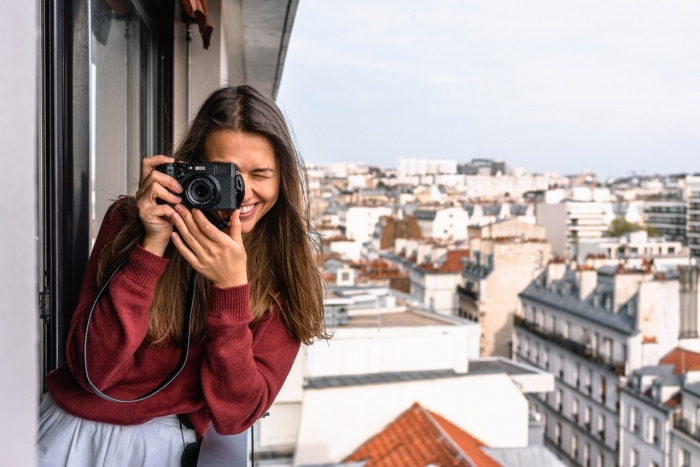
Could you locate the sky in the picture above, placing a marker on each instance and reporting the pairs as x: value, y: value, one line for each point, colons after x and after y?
x: 550, y: 86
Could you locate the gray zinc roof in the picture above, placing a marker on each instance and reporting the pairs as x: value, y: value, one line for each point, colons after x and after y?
x: 570, y: 303
x: 325, y: 382
x: 425, y: 214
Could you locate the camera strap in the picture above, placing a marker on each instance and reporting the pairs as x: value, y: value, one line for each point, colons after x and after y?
x: 184, y: 343
x: 186, y: 331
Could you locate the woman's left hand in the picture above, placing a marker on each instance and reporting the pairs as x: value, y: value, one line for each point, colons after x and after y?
x: 218, y: 256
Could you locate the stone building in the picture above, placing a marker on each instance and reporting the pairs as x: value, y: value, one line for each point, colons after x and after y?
x: 505, y: 257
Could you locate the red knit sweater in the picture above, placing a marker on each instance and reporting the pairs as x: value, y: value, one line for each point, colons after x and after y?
x: 230, y: 379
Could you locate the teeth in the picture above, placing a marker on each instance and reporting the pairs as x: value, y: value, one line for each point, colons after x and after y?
x: 247, y: 209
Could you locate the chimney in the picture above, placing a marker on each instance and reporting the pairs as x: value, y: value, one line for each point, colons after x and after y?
x: 555, y: 271
x: 688, y: 287
x: 586, y: 280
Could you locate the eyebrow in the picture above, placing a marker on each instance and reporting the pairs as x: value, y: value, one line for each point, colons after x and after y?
x: 263, y: 169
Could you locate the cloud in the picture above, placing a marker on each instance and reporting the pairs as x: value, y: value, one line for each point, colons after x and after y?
x: 442, y: 80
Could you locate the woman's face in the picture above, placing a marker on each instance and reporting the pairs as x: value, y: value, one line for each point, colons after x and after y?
x: 255, y: 159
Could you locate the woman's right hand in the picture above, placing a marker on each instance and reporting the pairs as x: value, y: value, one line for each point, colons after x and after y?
x: 156, y: 217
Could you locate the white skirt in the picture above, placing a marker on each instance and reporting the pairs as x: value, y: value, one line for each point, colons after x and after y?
x: 68, y: 441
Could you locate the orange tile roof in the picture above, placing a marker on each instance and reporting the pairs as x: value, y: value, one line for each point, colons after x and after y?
x: 469, y: 444
x: 453, y: 262
x: 674, y: 401
x: 684, y: 360
x: 418, y: 438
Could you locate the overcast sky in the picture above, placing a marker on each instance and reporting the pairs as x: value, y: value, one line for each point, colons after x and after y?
x: 610, y: 86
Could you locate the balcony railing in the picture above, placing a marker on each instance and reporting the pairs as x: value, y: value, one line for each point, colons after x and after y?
x: 683, y: 425
x: 572, y: 346
x: 467, y: 293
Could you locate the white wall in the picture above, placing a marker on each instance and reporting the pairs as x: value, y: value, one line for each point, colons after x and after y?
x: 354, y: 351
x: 330, y: 431
x: 360, y: 222
x: 18, y: 311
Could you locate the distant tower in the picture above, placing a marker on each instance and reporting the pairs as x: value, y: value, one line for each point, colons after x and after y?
x: 688, y: 282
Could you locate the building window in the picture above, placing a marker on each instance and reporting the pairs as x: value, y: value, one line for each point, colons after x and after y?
x: 685, y: 458
x: 574, y: 410
x: 602, y: 389
x: 574, y: 447
x: 634, y: 419
x: 557, y: 434
x: 601, y: 427
x: 587, y: 417
x: 654, y: 430
x: 560, y: 367
x: 586, y: 455
x: 577, y: 376
x: 536, y: 352
x: 601, y: 460
x: 634, y: 458
x: 566, y: 330
x: 588, y: 381
x: 558, y: 396
x: 545, y: 358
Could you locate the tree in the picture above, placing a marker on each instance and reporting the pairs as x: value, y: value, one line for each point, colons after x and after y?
x: 620, y: 226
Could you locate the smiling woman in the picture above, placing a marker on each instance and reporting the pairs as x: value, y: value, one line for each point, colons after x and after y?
x: 258, y: 297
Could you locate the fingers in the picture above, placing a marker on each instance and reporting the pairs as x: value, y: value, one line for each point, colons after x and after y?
x: 184, y: 250
x: 207, y: 228
x: 160, y: 179
x: 235, y: 227
x: 148, y: 163
x: 188, y: 228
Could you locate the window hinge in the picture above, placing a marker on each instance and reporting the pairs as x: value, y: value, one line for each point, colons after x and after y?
x: 44, y: 306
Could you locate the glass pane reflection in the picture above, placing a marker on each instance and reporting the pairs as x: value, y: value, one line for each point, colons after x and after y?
x: 122, y: 80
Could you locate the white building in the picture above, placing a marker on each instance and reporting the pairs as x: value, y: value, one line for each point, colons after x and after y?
x: 633, y: 245
x: 360, y: 222
x: 569, y: 221
x: 443, y: 223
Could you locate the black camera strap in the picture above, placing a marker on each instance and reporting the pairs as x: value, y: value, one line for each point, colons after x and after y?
x: 184, y: 343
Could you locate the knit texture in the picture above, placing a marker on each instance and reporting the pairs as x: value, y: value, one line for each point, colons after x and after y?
x: 230, y: 379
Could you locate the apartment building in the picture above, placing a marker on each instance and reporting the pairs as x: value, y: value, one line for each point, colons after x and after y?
x: 692, y: 191
x: 568, y: 222
x: 668, y: 218
x: 505, y: 257
x: 633, y: 245
x: 592, y: 329
x: 443, y: 223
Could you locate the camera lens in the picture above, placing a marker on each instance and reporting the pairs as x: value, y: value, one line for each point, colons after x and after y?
x: 202, y: 191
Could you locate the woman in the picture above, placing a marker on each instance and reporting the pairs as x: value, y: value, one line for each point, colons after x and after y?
x: 259, y: 296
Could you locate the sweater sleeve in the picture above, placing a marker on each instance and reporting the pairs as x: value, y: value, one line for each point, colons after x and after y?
x: 120, y: 321
x: 241, y: 376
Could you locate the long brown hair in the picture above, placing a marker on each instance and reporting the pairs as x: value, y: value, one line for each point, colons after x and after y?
x: 280, y: 265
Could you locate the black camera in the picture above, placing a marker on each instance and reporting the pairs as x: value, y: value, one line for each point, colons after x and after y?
x: 208, y: 186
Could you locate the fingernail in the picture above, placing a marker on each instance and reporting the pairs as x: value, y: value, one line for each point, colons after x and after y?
x: 175, y: 216
x: 177, y: 199
x: 178, y: 207
x: 178, y: 187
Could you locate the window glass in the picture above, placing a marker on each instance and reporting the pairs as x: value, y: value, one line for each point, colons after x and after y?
x: 122, y: 90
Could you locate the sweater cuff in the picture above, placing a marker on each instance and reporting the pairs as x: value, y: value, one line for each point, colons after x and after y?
x: 233, y: 302
x: 144, y: 268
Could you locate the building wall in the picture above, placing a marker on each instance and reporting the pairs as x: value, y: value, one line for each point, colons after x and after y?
x: 360, y: 222
x: 19, y: 390
x: 641, y: 439
x: 553, y: 218
x: 515, y: 266
x: 380, y: 349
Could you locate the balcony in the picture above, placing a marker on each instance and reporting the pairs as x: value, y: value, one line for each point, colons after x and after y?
x: 574, y: 347
x: 468, y: 293
x: 684, y: 426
